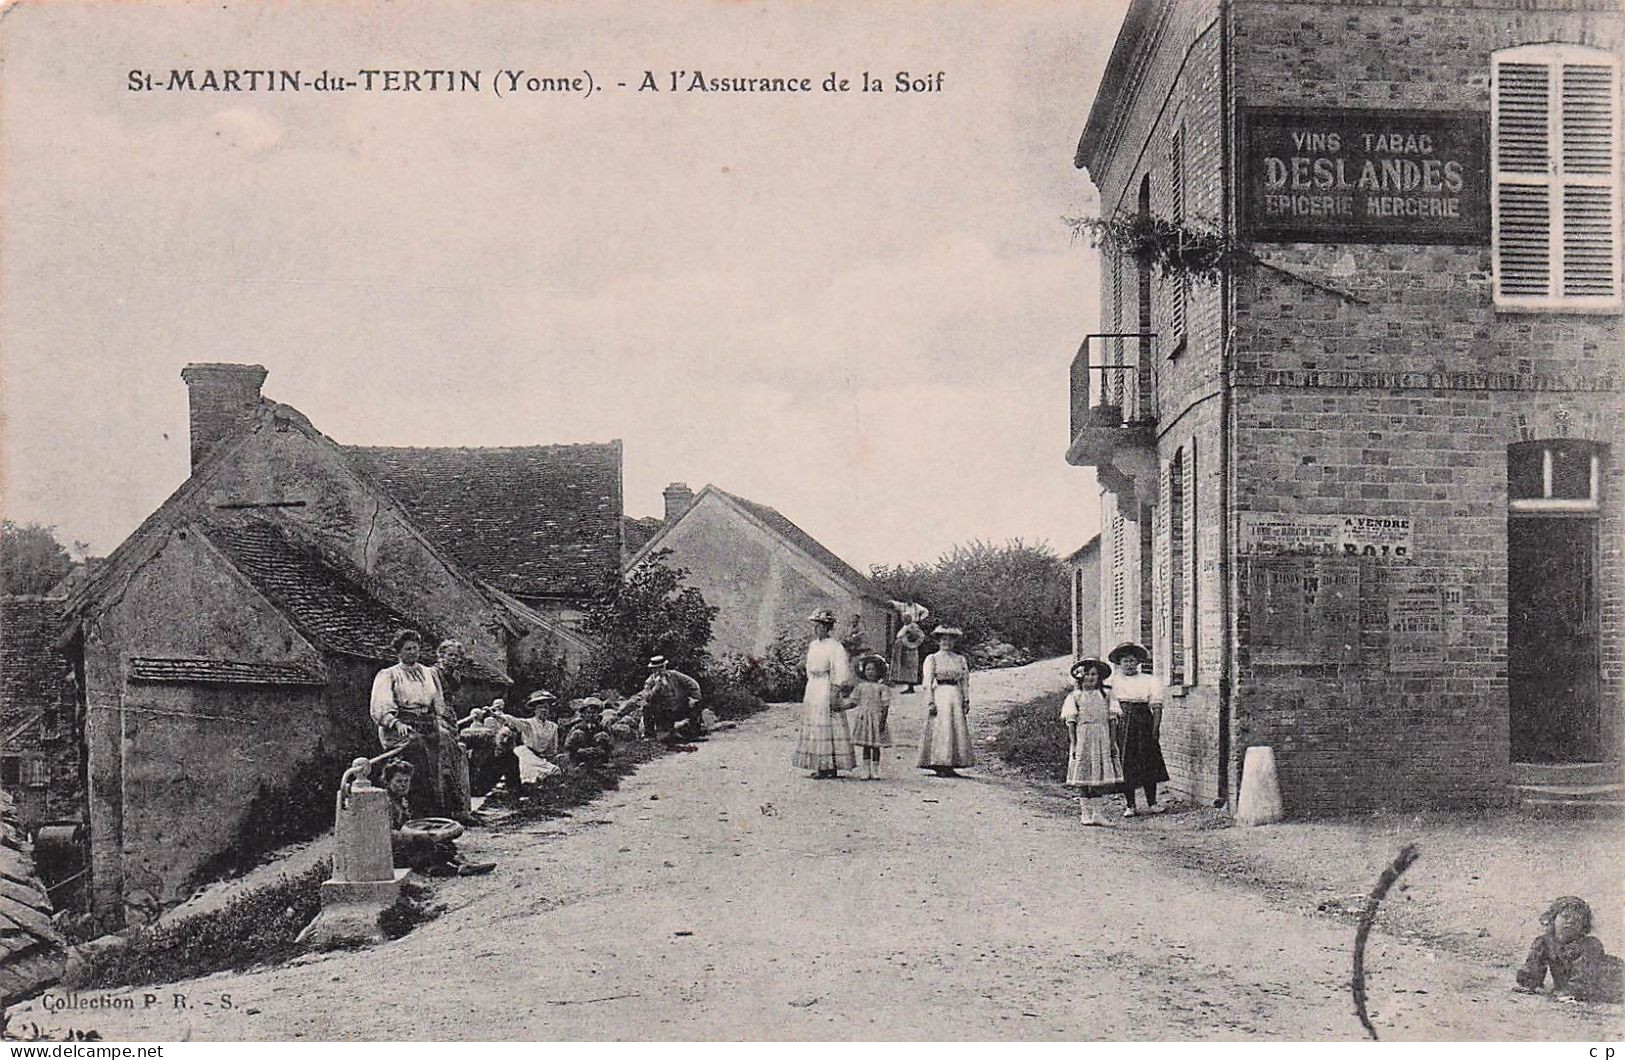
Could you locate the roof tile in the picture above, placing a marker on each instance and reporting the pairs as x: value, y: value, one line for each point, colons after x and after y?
x: 534, y: 521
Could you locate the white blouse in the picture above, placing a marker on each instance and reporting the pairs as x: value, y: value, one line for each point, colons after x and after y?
x: 1141, y: 688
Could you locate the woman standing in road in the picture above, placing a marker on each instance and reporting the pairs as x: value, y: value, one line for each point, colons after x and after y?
x: 905, y: 655
x: 825, y: 743
x: 945, y: 735
x: 1139, y: 697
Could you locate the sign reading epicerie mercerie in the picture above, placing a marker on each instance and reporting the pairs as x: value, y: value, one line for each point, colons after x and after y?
x: 1365, y: 176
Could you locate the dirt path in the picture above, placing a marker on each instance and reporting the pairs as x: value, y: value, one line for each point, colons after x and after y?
x: 724, y: 895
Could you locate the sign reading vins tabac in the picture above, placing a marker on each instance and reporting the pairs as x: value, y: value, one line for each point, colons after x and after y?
x: 1365, y: 176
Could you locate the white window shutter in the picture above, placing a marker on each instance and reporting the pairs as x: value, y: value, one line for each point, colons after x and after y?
x: 1590, y: 188
x: 1555, y: 169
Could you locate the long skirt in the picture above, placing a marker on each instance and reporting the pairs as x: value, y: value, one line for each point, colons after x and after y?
x: 1142, y: 754
x: 825, y: 743
x: 1094, y: 768
x: 905, y: 664
x: 427, y: 796
x: 945, y: 736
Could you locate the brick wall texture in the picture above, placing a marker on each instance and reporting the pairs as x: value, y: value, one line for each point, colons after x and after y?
x: 1396, y: 397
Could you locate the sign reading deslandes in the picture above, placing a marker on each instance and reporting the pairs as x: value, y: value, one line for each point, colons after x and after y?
x: 1365, y: 176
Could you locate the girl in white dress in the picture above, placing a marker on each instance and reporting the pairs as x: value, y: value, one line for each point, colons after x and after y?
x: 825, y: 744
x: 945, y: 736
x: 870, y: 706
x: 1092, y: 764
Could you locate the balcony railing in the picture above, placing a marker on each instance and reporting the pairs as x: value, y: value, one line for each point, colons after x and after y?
x: 1112, y: 383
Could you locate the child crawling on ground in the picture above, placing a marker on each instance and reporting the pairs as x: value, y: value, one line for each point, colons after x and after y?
x: 1579, y: 967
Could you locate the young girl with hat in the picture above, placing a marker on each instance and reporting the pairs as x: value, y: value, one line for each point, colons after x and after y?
x: 1092, y: 764
x: 1138, y: 698
x: 870, y: 705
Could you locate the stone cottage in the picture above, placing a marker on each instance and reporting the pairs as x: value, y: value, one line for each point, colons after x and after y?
x: 230, y: 643
x: 764, y: 573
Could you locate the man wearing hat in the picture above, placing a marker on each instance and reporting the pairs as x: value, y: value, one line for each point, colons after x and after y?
x: 671, y: 703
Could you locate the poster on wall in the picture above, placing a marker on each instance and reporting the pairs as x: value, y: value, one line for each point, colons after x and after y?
x: 1416, y: 630
x: 1274, y: 533
x: 1337, y: 175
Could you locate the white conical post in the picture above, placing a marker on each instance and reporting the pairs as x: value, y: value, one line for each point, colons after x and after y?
x: 1260, y: 799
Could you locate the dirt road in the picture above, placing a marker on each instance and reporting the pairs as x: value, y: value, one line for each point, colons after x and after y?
x: 725, y: 895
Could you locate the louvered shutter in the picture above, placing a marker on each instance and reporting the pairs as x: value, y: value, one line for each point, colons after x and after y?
x: 1555, y: 135
x: 1180, y: 293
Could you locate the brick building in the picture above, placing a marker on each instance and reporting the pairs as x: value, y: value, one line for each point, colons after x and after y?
x: 1362, y: 483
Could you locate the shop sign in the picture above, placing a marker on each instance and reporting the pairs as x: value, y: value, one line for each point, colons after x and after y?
x: 1365, y: 176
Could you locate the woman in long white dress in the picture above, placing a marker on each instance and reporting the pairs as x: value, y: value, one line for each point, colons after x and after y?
x: 945, y: 736
x: 825, y: 743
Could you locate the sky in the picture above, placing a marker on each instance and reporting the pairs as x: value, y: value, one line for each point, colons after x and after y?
x: 858, y: 308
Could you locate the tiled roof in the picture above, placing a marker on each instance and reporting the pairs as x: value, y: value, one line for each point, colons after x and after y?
x: 223, y: 671
x: 327, y: 605
x: 32, y: 954
x: 534, y: 521
x: 638, y: 531
x: 31, y: 670
x: 805, y: 541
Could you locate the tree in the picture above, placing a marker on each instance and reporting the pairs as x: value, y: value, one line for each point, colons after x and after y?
x: 1015, y: 593
x: 31, y: 558
x: 651, y: 613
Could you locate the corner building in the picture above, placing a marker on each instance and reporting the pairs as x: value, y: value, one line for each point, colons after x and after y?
x: 1362, y: 488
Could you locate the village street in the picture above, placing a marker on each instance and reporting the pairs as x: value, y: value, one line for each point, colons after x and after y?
x: 724, y: 895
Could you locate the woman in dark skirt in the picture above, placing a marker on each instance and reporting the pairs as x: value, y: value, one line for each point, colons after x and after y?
x: 1137, y: 703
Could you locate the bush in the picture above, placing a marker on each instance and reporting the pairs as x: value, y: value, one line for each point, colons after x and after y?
x: 258, y: 927
x: 729, y: 702
x: 1033, y: 738
x: 778, y: 675
x: 252, y: 928
x: 1015, y: 594
x: 651, y: 613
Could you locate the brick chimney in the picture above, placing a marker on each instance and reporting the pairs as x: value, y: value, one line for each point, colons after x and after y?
x: 679, y: 499
x: 223, y: 398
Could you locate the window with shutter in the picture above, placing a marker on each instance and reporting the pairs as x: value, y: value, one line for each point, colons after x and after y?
x: 1555, y: 161
x: 1180, y: 286
x: 1177, y: 588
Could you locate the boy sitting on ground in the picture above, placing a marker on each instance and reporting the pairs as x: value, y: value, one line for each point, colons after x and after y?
x: 588, y: 742
x: 416, y: 850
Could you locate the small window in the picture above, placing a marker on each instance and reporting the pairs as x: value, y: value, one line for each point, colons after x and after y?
x: 11, y: 770
x: 1552, y: 476
x: 35, y: 773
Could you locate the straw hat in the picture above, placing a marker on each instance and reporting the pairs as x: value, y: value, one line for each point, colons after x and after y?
x: 947, y: 631
x: 824, y: 615
x: 1127, y: 648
